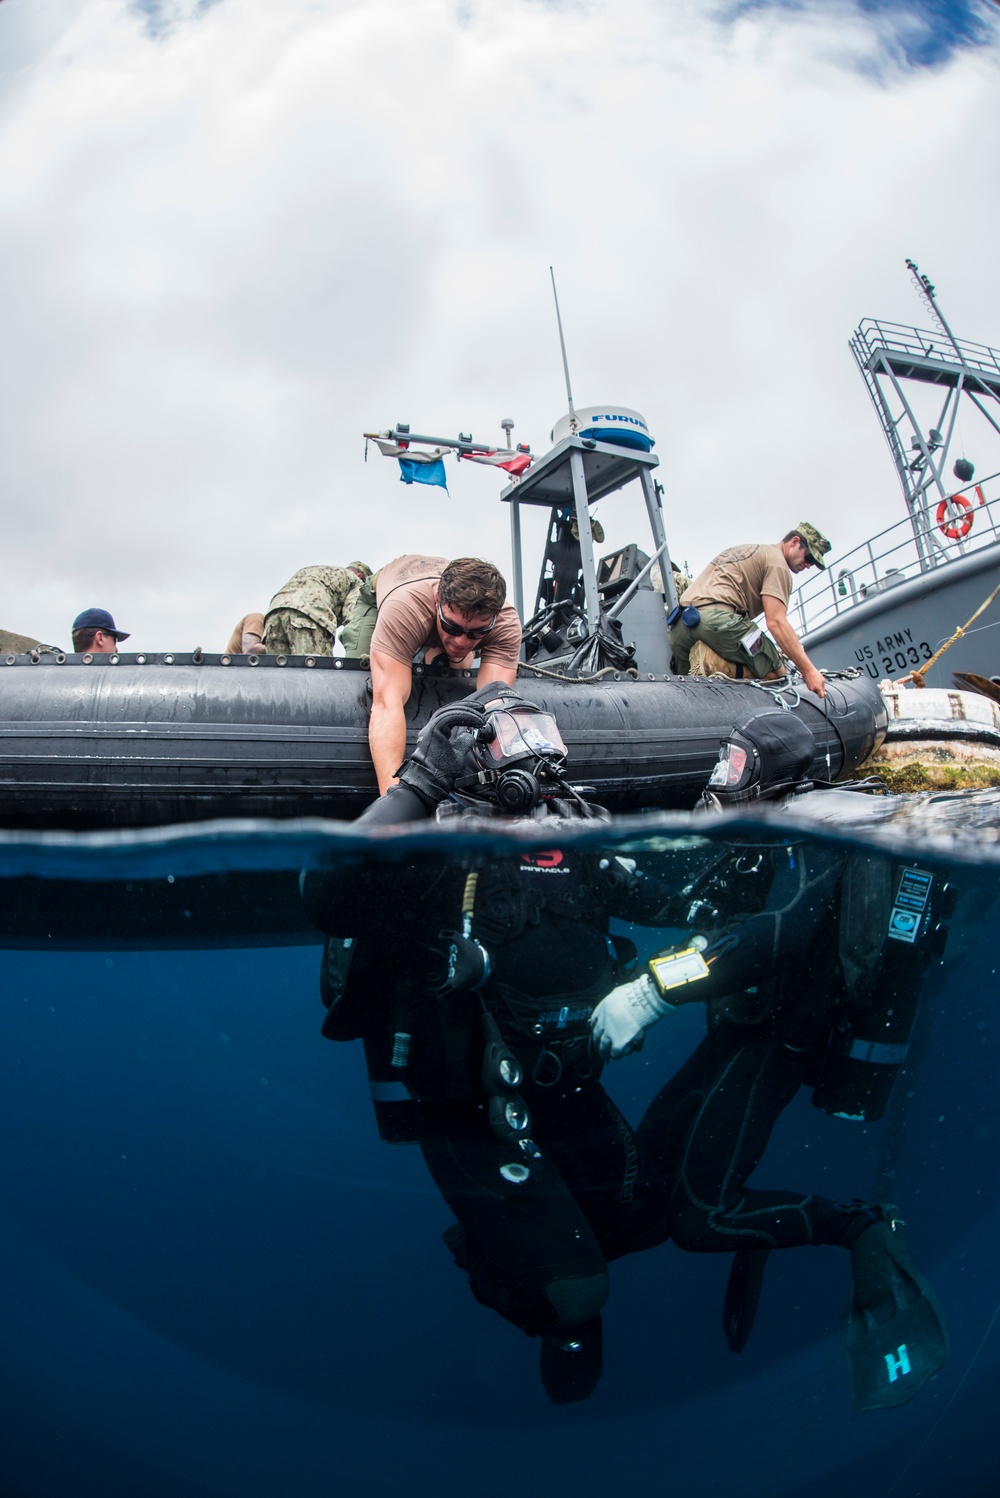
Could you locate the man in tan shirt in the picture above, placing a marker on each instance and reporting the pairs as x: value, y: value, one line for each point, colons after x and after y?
x: 247, y: 637
x: 450, y: 610
x: 737, y: 585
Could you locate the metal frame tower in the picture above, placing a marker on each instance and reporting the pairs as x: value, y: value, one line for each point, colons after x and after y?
x: 891, y: 358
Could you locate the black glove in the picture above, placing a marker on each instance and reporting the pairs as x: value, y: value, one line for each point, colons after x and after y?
x: 441, y: 753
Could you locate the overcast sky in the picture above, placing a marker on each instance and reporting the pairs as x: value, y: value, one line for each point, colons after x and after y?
x: 235, y: 235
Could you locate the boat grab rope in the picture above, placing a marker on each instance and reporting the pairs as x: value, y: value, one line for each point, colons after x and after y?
x: 776, y: 694
x: 917, y: 677
x: 615, y: 671
x: 789, y: 705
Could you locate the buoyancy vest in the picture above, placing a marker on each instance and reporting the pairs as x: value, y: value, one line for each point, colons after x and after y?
x: 542, y: 917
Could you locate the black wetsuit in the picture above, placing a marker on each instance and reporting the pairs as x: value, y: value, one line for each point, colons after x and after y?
x: 538, y: 1226
x: 798, y: 933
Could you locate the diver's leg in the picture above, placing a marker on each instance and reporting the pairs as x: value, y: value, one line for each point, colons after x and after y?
x: 525, y: 1244
x: 532, y: 1255
x: 596, y: 1152
x: 661, y: 1135
x: 896, y: 1336
x: 744, y: 1089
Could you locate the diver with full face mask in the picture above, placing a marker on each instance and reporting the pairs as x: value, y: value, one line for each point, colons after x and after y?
x: 811, y: 959
x: 471, y: 978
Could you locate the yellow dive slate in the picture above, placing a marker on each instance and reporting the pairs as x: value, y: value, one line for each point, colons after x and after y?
x: 674, y: 969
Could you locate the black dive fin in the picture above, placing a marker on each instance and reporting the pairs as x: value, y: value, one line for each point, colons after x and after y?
x: 743, y: 1295
x: 572, y: 1362
x: 896, y: 1337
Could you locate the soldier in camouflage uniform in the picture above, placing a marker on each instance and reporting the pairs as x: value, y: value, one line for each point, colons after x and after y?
x: 303, y: 616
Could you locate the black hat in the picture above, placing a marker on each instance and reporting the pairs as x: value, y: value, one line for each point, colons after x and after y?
x: 98, y: 619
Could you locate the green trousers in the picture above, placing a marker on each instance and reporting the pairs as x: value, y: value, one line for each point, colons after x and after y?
x: 723, y: 631
x: 356, y: 635
x: 287, y: 632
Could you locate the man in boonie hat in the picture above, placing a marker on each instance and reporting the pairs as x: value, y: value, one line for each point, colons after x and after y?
x: 719, y: 608
x: 816, y: 544
x: 95, y: 633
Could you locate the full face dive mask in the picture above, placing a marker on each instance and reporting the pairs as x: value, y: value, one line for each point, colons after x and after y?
x: 518, y: 750
x: 766, y: 755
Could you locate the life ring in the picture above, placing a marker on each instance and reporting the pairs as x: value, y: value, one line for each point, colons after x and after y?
x: 955, y: 529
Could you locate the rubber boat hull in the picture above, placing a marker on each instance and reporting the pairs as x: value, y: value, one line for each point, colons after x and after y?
x: 139, y: 741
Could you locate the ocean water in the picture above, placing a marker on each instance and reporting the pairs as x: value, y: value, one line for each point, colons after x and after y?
x: 218, y: 1280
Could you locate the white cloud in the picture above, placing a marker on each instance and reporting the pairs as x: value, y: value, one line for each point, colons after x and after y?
x: 229, y: 249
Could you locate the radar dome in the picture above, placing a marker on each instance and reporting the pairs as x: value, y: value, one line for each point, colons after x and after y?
x: 618, y: 425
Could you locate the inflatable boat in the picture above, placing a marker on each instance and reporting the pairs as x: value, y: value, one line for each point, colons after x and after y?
x: 137, y: 740
x: 144, y: 740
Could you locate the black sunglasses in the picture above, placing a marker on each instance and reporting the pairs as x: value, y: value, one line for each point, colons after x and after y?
x: 451, y: 628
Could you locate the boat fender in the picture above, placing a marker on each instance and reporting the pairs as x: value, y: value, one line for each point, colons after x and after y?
x: 689, y: 616
x: 955, y: 529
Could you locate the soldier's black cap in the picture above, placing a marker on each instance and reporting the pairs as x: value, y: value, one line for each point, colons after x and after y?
x: 98, y: 619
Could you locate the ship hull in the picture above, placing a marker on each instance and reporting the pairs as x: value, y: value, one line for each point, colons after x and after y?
x: 890, y: 633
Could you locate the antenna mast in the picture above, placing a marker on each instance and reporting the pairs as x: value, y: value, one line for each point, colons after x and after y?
x: 562, y: 345
x: 926, y: 293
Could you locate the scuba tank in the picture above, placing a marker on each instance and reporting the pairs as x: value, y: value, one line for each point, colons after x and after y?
x: 867, y: 1051
x: 395, y: 1110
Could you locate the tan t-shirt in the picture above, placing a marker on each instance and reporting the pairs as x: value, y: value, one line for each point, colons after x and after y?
x: 407, y: 614
x: 249, y: 624
x: 741, y: 578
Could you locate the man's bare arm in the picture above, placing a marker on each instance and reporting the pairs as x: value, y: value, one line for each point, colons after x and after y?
x: 391, y: 684
x: 493, y: 671
x: 776, y: 619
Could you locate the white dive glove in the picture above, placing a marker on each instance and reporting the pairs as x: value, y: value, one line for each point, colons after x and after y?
x: 620, y: 1020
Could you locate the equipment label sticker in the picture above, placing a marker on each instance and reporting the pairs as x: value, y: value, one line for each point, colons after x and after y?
x: 911, y: 902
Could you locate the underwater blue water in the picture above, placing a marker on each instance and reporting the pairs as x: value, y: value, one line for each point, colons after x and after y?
x: 217, y: 1280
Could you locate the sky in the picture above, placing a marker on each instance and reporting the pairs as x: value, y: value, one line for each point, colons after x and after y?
x: 236, y: 235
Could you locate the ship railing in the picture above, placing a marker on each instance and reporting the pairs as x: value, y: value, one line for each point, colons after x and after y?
x: 894, y: 555
x: 900, y: 343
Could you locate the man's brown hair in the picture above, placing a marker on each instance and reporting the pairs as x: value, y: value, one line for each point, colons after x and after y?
x: 82, y: 640
x: 472, y: 587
